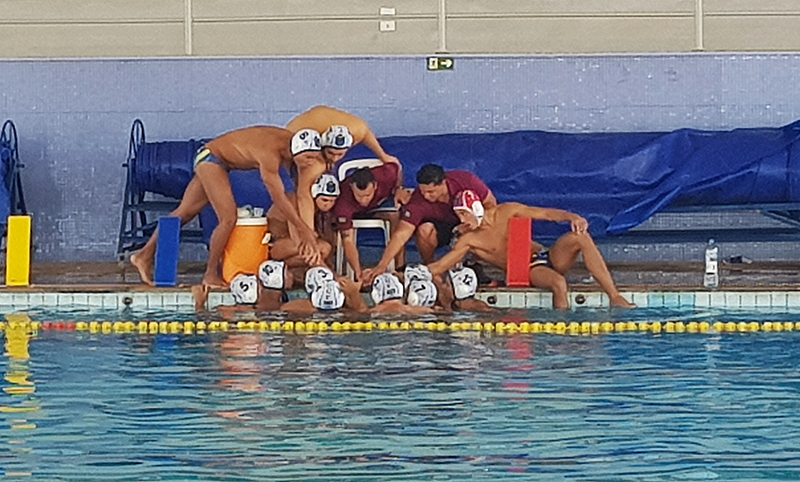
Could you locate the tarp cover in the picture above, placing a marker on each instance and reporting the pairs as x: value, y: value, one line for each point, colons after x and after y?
x: 616, y: 180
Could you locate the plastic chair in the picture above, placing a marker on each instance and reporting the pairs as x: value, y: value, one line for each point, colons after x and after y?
x: 361, y: 223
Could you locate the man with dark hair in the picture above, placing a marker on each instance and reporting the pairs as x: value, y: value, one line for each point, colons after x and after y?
x: 365, y: 189
x: 429, y: 214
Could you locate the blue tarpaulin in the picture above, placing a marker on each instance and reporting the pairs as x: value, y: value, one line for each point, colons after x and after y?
x: 616, y: 180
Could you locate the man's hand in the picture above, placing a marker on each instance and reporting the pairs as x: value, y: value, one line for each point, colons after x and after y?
x: 402, y: 196
x: 579, y: 225
x: 369, y: 274
x: 387, y: 158
x: 349, y: 287
x: 308, y: 248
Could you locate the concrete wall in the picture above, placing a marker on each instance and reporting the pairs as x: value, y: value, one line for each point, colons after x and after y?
x: 150, y: 28
x: 74, y: 116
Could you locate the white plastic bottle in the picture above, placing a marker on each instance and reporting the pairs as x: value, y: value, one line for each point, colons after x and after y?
x: 711, y: 276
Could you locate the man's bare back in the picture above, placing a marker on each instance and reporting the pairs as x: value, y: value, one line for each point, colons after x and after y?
x: 253, y: 148
x: 321, y: 117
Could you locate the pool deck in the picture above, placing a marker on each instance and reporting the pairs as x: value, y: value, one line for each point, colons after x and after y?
x: 116, y: 285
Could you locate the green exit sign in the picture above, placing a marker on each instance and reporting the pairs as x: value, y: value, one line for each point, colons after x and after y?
x: 440, y: 63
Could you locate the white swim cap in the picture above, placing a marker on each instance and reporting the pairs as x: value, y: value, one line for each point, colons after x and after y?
x: 305, y: 140
x: 465, y: 282
x: 338, y: 137
x: 415, y: 272
x: 386, y: 287
x: 422, y: 293
x: 316, y: 275
x: 469, y: 201
x: 328, y: 296
x: 326, y: 185
x: 244, y: 288
x: 272, y: 275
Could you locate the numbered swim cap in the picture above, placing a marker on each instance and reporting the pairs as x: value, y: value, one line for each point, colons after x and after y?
x: 469, y: 201
x: 316, y: 276
x: 422, y: 293
x: 326, y: 185
x: 465, y: 282
x: 328, y: 296
x: 415, y: 272
x: 338, y: 137
x: 305, y: 140
x: 386, y: 287
x: 244, y: 288
x: 272, y: 275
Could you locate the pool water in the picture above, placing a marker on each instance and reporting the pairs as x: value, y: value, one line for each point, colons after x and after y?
x: 402, y: 406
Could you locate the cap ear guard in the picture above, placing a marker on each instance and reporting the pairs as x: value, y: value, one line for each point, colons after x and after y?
x: 328, y: 296
x: 386, y: 287
x: 422, y: 293
x: 469, y: 201
x: 325, y: 185
x: 272, y: 274
x: 244, y: 288
x: 337, y: 137
x: 306, y: 140
x: 465, y: 283
x: 415, y: 272
x: 316, y: 276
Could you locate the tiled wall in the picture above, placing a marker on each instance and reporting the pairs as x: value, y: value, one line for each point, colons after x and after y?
x: 74, y: 116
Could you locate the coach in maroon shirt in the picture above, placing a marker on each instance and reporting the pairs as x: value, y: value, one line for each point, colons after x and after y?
x: 429, y: 213
x: 365, y: 189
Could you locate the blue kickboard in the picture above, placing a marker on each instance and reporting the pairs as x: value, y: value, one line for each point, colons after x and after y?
x: 167, y: 251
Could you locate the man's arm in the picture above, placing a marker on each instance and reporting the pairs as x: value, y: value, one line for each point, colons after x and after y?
x: 399, y: 238
x: 351, y: 251
x: 307, y: 174
x: 453, y: 257
x: 372, y: 142
x: 578, y: 223
x: 352, y: 295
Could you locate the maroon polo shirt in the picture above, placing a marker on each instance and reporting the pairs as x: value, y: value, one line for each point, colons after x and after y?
x: 346, y: 205
x: 418, y: 210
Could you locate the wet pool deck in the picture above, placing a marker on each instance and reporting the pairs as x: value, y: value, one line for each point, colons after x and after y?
x: 116, y: 285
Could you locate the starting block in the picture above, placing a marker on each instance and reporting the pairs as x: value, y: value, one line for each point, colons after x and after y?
x: 167, y: 251
x: 18, y: 251
x: 518, y: 255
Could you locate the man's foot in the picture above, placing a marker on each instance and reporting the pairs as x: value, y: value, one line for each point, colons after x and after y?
x: 621, y: 302
x: 144, y: 268
x: 200, y: 295
x: 214, y: 282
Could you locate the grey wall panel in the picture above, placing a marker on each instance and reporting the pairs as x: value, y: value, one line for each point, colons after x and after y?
x: 559, y: 35
x: 747, y: 7
x: 327, y: 37
x: 756, y: 33
x: 550, y: 7
x: 244, y: 9
x: 92, y: 40
x: 89, y: 10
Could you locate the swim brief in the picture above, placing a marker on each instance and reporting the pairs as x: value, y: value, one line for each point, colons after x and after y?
x: 205, y: 155
x: 542, y: 258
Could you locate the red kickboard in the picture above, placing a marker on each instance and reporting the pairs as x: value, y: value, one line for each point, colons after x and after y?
x: 518, y: 257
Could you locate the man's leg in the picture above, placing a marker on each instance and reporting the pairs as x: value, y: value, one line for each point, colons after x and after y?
x: 217, y: 186
x: 550, y: 279
x: 427, y: 241
x: 194, y: 200
x: 286, y: 250
x: 564, y: 253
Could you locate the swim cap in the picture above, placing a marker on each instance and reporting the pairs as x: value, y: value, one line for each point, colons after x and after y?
x: 386, y: 287
x: 305, y: 140
x: 337, y: 137
x: 244, y: 288
x: 465, y: 282
x: 316, y: 276
x: 272, y: 276
x: 422, y: 293
x: 326, y: 185
x: 328, y: 296
x: 469, y: 201
x: 415, y: 272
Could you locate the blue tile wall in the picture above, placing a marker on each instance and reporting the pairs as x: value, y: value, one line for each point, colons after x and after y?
x: 74, y: 116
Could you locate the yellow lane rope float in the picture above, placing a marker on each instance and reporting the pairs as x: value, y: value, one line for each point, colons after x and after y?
x: 312, y: 327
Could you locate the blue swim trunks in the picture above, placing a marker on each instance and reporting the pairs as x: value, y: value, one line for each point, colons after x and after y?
x: 205, y: 155
x: 542, y: 258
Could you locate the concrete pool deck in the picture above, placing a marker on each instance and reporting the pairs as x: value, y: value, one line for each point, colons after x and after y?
x: 114, y: 285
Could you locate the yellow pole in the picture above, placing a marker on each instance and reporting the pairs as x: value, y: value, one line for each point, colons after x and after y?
x: 18, y: 251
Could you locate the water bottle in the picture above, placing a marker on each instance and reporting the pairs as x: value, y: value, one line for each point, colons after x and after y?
x: 711, y: 276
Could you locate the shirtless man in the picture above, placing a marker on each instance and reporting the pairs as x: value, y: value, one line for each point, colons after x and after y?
x: 429, y: 214
x: 284, y: 244
x: 259, y: 147
x: 340, y: 131
x: 486, y: 236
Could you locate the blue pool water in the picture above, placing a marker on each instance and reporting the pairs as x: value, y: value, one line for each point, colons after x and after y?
x: 402, y: 406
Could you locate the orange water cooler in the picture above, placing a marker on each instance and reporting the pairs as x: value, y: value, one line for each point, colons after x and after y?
x: 245, y: 250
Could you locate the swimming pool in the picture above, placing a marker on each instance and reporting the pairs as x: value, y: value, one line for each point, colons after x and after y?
x: 403, y: 405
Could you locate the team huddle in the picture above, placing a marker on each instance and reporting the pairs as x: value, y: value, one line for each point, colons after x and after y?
x: 447, y: 208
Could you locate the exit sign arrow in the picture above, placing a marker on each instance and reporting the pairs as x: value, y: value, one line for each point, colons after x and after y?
x: 440, y: 63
